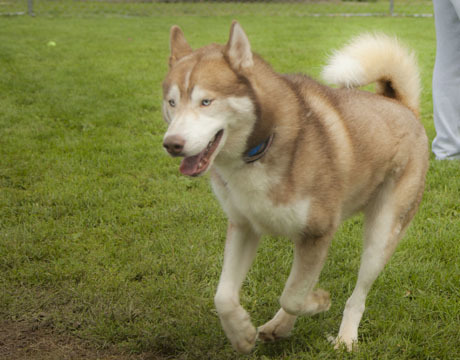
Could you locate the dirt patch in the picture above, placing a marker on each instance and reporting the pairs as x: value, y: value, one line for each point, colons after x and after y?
x: 21, y: 341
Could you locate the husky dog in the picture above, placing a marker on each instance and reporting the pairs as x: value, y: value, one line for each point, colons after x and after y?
x: 292, y: 157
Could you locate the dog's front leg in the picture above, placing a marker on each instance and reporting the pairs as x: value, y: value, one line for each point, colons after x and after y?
x: 240, y: 249
x: 298, y: 297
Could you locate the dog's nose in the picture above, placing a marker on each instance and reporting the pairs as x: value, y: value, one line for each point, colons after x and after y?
x: 174, y: 144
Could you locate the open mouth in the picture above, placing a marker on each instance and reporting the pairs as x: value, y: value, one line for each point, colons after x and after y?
x: 198, y: 164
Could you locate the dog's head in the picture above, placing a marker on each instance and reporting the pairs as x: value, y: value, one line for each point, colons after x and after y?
x: 207, y: 101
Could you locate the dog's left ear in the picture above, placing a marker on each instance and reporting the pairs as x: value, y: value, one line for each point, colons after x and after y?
x: 179, y: 46
x: 238, y: 49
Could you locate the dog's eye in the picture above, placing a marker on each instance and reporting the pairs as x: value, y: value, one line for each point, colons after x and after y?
x: 206, y: 102
x: 172, y: 103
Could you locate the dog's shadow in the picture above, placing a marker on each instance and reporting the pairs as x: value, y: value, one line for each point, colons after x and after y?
x: 276, y: 348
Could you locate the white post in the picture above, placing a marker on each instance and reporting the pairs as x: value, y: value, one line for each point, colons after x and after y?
x: 30, y: 7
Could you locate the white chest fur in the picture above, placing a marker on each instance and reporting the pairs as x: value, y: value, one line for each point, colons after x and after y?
x: 245, y: 197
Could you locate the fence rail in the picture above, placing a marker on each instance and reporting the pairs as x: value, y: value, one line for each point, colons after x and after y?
x: 414, y: 8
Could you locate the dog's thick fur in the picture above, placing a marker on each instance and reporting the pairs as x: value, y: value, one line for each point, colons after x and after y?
x: 327, y: 154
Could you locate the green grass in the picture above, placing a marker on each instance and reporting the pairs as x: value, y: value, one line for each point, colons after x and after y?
x: 102, y: 238
x: 111, y: 8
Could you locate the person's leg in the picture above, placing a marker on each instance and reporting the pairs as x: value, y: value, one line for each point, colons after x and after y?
x: 446, y: 80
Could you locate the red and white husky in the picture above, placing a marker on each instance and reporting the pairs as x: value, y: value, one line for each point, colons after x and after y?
x: 289, y: 156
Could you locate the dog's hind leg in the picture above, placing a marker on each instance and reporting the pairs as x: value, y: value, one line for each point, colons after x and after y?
x: 387, y: 218
x: 240, y: 250
x: 298, y: 297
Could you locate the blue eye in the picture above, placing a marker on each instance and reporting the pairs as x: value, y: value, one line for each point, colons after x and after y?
x: 172, y: 103
x: 206, y: 102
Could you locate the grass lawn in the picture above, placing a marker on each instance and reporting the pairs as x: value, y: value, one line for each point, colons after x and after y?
x: 102, y: 240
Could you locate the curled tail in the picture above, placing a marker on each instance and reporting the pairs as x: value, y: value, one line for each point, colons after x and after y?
x: 377, y: 58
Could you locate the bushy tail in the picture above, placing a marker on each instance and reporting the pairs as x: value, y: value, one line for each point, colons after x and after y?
x: 377, y: 58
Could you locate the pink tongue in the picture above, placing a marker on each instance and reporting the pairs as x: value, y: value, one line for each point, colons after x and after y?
x: 189, y: 165
x: 197, y: 164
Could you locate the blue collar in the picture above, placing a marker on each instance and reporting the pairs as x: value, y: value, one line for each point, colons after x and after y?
x: 258, y: 151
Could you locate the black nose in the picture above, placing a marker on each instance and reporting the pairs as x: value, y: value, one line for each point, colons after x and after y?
x: 174, y: 144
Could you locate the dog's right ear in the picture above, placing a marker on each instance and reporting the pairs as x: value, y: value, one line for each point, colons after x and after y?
x: 178, y: 45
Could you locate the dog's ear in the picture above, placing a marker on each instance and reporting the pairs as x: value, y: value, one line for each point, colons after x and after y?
x: 238, y: 49
x: 179, y: 46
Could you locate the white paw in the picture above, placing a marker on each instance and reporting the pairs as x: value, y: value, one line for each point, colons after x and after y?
x: 322, y: 300
x: 277, y: 328
x: 239, y: 330
x: 349, y: 344
x: 244, y: 341
x: 315, y: 302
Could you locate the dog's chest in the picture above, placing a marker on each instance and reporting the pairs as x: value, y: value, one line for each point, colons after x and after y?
x: 248, y: 198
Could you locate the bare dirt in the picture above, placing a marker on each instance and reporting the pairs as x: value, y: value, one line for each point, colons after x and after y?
x: 26, y: 341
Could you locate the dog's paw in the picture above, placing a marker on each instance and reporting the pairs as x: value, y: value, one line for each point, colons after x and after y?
x: 245, y: 340
x: 277, y: 328
x: 239, y: 329
x: 321, y: 300
x: 315, y: 302
x: 341, y: 343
